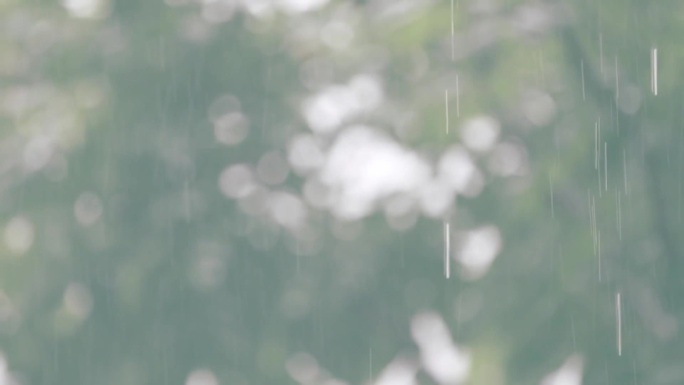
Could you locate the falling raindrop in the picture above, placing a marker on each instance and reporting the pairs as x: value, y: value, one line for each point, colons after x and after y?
x: 596, y: 146
x: 605, y: 164
x: 446, y: 103
x: 595, y: 232
x: 584, y: 94
x: 601, y: 53
x: 447, y: 249
x: 453, y: 32
x: 617, y: 81
x: 458, y: 99
x: 598, y: 235
x: 624, y: 168
x: 574, y: 335
x: 654, y: 71
x: 370, y: 365
x: 619, y: 214
x: 553, y: 215
x: 591, y: 216
x: 634, y: 371
x: 618, y: 317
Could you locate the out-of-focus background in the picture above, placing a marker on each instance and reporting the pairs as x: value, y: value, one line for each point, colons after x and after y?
x: 329, y: 192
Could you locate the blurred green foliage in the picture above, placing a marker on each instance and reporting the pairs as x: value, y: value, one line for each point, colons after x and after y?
x: 124, y: 263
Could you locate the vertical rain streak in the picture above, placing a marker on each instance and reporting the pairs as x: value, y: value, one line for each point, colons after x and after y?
x: 447, y: 250
x: 596, y: 145
x: 593, y: 222
x: 617, y: 81
x: 598, y: 236
x: 619, y: 213
x: 598, y: 182
x: 618, y: 319
x: 605, y: 165
x: 624, y: 169
x: 601, y: 54
x: 553, y: 214
x: 654, y: 71
x: 584, y: 92
x: 598, y: 155
x: 458, y: 99
x: 574, y: 334
x: 446, y: 108
x: 591, y: 215
x: 453, y: 33
x: 297, y: 255
x: 540, y: 58
x: 265, y: 106
x: 186, y: 200
x: 680, y: 186
x: 370, y: 365
x: 447, y: 239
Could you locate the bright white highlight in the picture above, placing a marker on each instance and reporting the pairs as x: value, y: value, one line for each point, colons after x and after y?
x: 480, y: 134
x: 457, y: 169
x: 201, y: 377
x: 365, y: 166
x: 85, y: 9
x: 303, y: 368
x: 443, y: 360
x: 401, y: 371
x: 479, y: 248
x: 327, y: 110
x: 570, y: 373
x: 38, y: 152
x: 300, y: 6
x: 305, y: 154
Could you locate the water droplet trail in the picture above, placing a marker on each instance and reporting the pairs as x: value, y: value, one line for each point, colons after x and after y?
x: 654, y: 71
x: 624, y: 168
x: 458, y: 101
x: 447, y: 251
x: 446, y: 105
x: 605, y: 164
x: 619, y: 214
x: 453, y: 50
x: 553, y: 215
x: 598, y: 236
x: 584, y: 93
x: 618, y: 317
